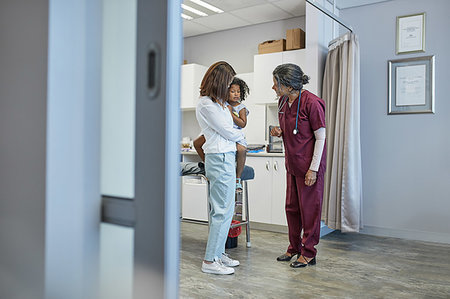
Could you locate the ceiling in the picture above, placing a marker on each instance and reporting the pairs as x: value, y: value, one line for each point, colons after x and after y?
x: 239, y: 13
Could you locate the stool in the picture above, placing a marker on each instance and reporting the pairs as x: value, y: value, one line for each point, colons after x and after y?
x: 241, y: 203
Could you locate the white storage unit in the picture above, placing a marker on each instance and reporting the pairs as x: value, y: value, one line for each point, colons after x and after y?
x: 267, y: 192
x: 265, y: 64
x: 194, y: 192
x: 191, y: 78
x: 256, y: 121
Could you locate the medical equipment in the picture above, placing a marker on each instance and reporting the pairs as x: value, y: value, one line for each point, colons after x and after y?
x: 280, y: 107
x: 295, y: 131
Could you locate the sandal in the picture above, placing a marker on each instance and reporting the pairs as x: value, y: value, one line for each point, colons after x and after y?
x: 297, y: 264
x: 285, y: 258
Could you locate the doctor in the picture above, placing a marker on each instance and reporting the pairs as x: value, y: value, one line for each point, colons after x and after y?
x: 301, y: 116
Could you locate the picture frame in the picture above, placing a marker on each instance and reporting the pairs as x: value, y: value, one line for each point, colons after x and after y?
x: 411, y: 85
x: 410, y: 34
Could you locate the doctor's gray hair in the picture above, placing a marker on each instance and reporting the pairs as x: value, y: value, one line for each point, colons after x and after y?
x: 290, y: 75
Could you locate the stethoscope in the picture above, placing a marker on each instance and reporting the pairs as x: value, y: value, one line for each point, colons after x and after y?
x: 283, y: 101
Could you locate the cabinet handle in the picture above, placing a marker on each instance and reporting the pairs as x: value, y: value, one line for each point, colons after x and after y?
x: 267, y: 165
x: 275, y: 166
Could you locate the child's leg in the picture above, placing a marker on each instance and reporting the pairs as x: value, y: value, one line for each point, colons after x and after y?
x: 198, y: 143
x: 241, y: 154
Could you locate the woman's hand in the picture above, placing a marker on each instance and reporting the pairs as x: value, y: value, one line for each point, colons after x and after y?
x: 310, y: 177
x: 276, y: 131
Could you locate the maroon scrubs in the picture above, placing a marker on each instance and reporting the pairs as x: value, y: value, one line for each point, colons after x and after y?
x: 303, y: 203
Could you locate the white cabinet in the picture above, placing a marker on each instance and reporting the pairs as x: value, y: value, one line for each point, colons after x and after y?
x: 191, y: 78
x: 256, y: 120
x: 264, y: 64
x: 267, y: 192
x: 194, y: 194
x: 278, y: 191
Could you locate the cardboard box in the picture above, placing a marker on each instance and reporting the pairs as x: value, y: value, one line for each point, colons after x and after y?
x: 272, y: 46
x: 295, y: 39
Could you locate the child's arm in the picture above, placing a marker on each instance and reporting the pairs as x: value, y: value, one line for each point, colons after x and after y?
x: 198, y: 143
x: 241, y: 120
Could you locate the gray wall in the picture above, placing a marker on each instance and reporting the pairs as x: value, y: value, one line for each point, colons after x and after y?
x: 405, y: 158
x: 23, y: 97
x: 49, y: 148
x: 236, y: 46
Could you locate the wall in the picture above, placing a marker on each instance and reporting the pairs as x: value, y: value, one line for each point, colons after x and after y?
x: 49, y: 148
x: 118, y: 97
x: 405, y: 158
x: 73, y: 149
x: 236, y: 46
x: 23, y: 97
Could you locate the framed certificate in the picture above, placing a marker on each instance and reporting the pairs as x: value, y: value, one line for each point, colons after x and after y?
x: 411, y: 34
x: 411, y: 85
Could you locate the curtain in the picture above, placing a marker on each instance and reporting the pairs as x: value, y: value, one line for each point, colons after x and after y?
x: 342, y: 202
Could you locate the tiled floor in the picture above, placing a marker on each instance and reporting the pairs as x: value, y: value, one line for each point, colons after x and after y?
x: 348, y: 266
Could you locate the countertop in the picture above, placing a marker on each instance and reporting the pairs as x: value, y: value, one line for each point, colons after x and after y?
x: 260, y: 154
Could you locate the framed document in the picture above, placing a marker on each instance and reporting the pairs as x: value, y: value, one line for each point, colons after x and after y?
x: 411, y: 34
x: 411, y: 85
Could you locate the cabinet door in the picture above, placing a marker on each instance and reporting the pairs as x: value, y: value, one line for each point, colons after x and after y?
x: 307, y: 63
x: 260, y: 189
x: 256, y: 120
x: 264, y: 64
x: 278, y: 191
x: 191, y: 78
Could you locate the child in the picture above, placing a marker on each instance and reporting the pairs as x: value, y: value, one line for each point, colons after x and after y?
x: 237, y: 93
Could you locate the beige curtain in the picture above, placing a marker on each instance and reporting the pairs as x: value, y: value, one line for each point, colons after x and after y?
x: 342, y: 203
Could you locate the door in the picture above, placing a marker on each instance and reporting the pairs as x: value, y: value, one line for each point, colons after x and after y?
x: 157, y: 192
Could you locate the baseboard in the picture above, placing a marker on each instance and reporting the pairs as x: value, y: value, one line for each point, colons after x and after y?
x: 406, y: 234
x: 324, y: 230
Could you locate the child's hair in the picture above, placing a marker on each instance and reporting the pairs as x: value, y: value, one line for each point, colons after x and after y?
x: 242, y: 86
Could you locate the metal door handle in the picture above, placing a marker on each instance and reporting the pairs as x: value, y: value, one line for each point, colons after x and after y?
x: 267, y: 165
x: 275, y: 166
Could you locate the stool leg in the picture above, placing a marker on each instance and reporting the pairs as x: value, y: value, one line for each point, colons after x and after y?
x: 247, y: 219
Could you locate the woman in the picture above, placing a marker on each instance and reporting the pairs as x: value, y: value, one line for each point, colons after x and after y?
x: 216, y: 124
x: 302, y: 126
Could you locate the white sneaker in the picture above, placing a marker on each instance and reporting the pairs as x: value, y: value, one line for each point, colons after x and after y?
x: 229, y: 262
x: 216, y: 267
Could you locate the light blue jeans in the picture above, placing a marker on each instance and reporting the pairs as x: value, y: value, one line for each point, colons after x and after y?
x: 221, y: 172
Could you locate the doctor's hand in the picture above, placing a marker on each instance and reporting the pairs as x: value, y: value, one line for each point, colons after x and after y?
x: 276, y: 131
x: 310, y: 177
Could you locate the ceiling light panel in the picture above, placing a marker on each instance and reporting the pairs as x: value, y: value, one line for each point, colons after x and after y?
x: 193, y: 10
x: 186, y: 17
x: 207, y: 6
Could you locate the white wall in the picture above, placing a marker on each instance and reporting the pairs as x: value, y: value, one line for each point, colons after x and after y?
x: 236, y: 46
x: 49, y: 148
x: 118, y: 97
x: 405, y: 158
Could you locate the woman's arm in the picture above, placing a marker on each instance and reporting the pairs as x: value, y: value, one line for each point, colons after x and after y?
x: 221, y: 125
x: 311, y: 175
